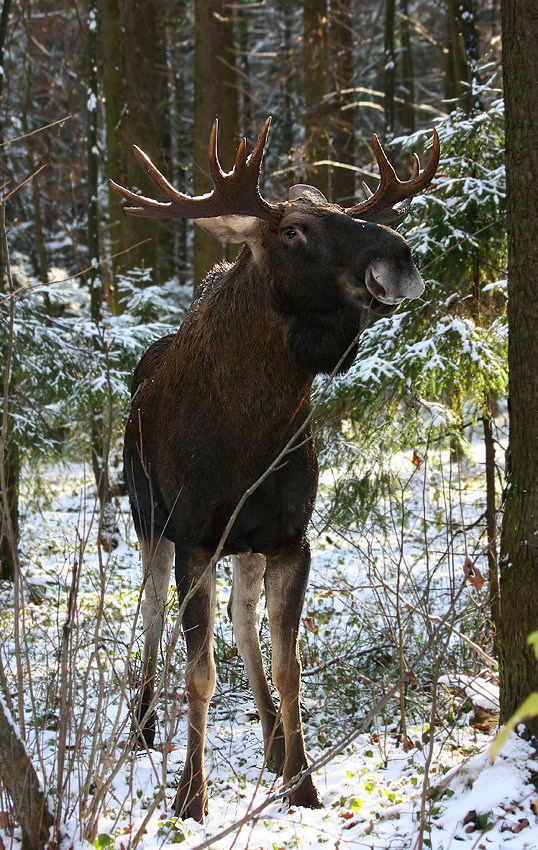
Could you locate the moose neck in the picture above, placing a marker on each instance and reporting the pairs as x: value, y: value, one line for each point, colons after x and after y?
x: 244, y: 341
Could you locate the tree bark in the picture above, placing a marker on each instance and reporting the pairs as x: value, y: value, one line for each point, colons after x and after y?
x: 231, y: 132
x: 98, y: 454
x: 18, y: 775
x: 114, y: 96
x: 316, y: 120
x: 463, y: 51
x: 491, y: 523
x: 389, y: 68
x: 208, y: 52
x: 519, y: 538
x: 9, y: 529
x: 145, y: 123
x: 407, y: 112
x: 9, y: 525
x: 343, y: 131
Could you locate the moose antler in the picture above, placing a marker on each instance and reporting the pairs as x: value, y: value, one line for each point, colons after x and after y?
x: 392, y: 197
x: 234, y: 193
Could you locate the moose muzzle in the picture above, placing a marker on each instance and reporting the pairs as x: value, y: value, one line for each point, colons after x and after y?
x: 391, y: 285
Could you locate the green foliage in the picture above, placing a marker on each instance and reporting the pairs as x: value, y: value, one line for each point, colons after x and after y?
x: 424, y: 371
x: 67, y: 366
x: 103, y: 840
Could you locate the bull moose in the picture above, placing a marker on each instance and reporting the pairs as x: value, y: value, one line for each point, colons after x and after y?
x: 214, y: 405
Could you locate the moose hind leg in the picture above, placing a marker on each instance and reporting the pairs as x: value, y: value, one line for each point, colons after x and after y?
x: 285, y: 584
x: 249, y: 571
x: 198, y: 622
x: 157, y: 560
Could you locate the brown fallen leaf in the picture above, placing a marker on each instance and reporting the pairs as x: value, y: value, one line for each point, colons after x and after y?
x: 522, y: 824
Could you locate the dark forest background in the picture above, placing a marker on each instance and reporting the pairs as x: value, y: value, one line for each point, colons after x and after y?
x: 117, y: 73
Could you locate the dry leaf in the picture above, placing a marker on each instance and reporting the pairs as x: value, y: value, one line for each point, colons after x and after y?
x: 473, y: 574
x: 417, y: 460
x: 522, y: 824
x: 309, y: 623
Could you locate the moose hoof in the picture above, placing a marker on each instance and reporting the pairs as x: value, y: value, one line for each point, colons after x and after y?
x: 306, y: 795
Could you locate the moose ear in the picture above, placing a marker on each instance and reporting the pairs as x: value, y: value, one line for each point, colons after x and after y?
x: 303, y: 192
x: 231, y: 228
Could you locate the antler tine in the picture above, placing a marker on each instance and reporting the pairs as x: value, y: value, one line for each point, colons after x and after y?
x: 241, y: 155
x: 156, y: 176
x: 233, y: 193
x: 380, y: 206
x: 144, y: 206
x: 255, y: 159
x: 215, y: 169
x: 386, y: 169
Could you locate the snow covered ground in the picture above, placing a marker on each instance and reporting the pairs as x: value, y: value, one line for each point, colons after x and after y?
x: 370, y: 613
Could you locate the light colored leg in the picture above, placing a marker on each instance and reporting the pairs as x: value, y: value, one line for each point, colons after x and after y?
x: 157, y: 563
x: 198, y: 623
x: 285, y: 585
x: 249, y: 571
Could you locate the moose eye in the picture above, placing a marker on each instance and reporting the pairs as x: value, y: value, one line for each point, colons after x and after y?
x: 290, y: 234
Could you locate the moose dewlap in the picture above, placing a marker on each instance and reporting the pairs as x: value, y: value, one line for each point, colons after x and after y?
x: 215, y: 408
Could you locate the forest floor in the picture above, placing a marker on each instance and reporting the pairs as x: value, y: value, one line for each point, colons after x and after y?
x: 369, y: 613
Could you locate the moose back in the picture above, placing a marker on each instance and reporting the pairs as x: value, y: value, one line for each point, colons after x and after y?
x: 214, y: 405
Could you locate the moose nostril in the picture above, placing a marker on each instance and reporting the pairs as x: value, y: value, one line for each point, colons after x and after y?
x: 376, y: 288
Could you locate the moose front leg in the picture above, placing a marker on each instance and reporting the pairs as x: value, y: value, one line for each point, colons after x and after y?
x: 285, y: 585
x: 198, y: 622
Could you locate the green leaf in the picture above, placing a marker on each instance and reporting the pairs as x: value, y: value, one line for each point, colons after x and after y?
x: 355, y: 804
x: 103, y: 840
x: 533, y: 641
x: 528, y: 709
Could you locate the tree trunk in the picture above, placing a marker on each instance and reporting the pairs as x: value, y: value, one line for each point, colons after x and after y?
x: 9, y: 523
x: 343, y: 131
x: 9, y: 528
x: 491, y: 523
x: 39, y: 254
x: 4, y: 17
x: 231, y: 132
x: 18, y: 775
x: 246, y: 88
x: 389, y: 68
x: 208, y: 52
x: 97, y: 442
x: 112, y: 54
x: 315, y: 91
x: 145, y: 123
x: 463, y: 51
x: 519, y: 538
x: 407, y: 112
